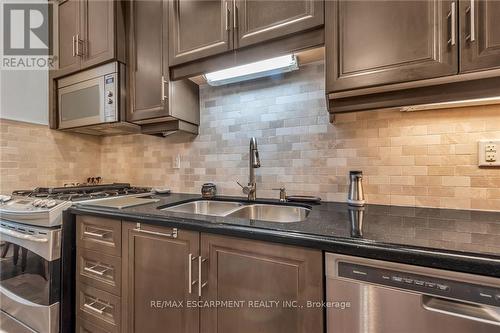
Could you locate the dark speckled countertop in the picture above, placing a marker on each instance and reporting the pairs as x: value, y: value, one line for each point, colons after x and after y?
x: 459, y: 240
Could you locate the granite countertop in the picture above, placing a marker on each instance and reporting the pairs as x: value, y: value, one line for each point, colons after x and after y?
x: 459, y: 240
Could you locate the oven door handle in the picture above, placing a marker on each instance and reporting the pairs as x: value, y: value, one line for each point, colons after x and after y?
x: 20, y: 235
x: 473, y: 312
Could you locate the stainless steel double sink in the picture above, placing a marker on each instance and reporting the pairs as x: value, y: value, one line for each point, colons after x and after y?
x: 257, y: 211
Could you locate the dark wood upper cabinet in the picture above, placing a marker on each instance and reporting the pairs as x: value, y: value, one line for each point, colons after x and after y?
x: 97, y: 32
x: 372, y: 43
x: 156, y: 267
x: 148, y: 54
x: 479, y: 35
x: 90, y: 32
x: 69, y: 26
x: 258, y: 21
x: 153, y: 98
x: 199, y: 29
x: 248, y: 270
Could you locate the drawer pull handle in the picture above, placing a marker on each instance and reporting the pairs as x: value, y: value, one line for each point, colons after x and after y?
x: 97, y: 233
x: 93, y: 308
x: 97, y: 269
x: 156, y: 233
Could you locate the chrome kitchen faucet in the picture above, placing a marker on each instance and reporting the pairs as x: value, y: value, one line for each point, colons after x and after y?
x: 253, y: 163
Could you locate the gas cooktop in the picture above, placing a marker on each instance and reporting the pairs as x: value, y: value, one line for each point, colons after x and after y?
x: 43, y: 206
x: 83, y: 192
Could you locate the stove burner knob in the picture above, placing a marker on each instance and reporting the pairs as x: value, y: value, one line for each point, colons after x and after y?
x: 37, y: 202
x: 51, y: 203
x: 43, y: 203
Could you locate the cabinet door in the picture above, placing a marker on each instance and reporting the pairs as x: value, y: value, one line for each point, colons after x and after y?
x: 199, y: 28
x: 372, y: 43
x: 479, y: 35
x: 68, y: 28
x: 148, y: 54
x: 260, y: 21
x: 256, y: 273
x: 97, y: 37
x: 155, y: 279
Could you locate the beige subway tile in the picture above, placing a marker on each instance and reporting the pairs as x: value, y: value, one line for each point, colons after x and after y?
x: 456, y: 181
x: 441, y: 149
x: 441, y: 171
x: 415, y: 170
x: 483, y: 181
x: 428, y: 180
x: 428, y: 160
x: 466, y: 148
x: 402, y: 200
x: 415, y: 150
x: 402, y: 180
x: 437, y: 191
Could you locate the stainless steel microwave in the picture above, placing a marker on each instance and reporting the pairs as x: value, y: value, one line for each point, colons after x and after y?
x: 93, y: 101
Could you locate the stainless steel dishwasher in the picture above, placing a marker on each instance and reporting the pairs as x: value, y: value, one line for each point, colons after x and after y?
x: 372, y: 296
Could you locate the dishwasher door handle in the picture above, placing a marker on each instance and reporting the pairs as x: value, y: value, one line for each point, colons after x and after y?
x: 475, y: 312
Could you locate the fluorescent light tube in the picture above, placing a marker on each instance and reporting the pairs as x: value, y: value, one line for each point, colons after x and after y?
x: 253, y: 70
x: 452, y: 104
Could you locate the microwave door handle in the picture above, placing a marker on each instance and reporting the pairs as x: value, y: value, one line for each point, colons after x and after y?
x: 102, y: 112
x: 474, y: 312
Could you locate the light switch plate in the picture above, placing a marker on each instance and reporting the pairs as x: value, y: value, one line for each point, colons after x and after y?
x: 489, y: 153
x: 177, y: 162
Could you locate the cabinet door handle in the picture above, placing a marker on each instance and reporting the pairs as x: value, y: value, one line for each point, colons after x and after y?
x: 78, y: 41
x: 191, y: 283
x: 163, y: 95
x: 452, y: 15
x: 228, y: 14
x: 156, y: 233
x: 73, y: 45
x: 235, y: 15
x: 472, y: 21
x: 201, y: 260
x: 471, y: 11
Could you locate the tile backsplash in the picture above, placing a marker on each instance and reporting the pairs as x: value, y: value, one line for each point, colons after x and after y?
x: 426, y: 158
x: 32, y: 155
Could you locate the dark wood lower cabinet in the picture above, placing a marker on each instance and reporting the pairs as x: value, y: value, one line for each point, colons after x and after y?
x: 156, y: 278
x: 275, y: 283
x: 178, y: 281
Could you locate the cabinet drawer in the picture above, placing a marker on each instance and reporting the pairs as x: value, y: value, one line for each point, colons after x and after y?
x: 99, y: 270
x: 99, y: 234
x: 99, y: 307
x: 83, y: 326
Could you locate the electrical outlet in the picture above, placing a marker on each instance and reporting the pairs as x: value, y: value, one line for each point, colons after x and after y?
x: 488, y: 153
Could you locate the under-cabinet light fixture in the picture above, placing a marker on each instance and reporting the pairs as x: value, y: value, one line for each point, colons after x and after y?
x: 452, y: 104
x: 253, y: 70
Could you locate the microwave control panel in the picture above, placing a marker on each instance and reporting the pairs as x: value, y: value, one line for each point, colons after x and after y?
x: 110, y: 98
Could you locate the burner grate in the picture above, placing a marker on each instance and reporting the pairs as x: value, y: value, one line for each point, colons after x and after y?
x: 78, y: 193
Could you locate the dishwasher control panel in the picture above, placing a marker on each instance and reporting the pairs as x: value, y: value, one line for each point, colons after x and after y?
x: 421, y: 283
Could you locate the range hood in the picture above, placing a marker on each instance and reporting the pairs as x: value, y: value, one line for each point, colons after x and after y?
x: 167, y: 128
x: 254, y: 70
